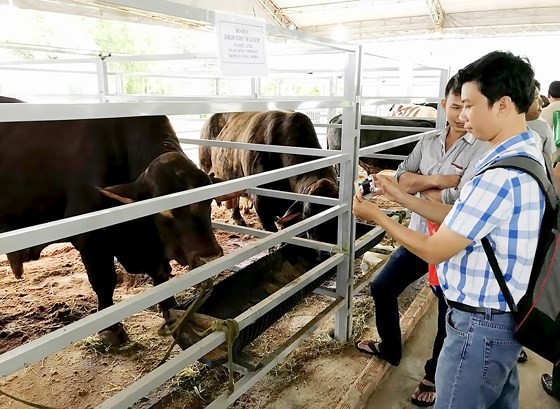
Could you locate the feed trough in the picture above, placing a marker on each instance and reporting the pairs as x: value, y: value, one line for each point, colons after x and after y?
x: 252, y: 284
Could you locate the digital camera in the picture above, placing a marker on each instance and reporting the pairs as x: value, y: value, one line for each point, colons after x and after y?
x: 366, y: 187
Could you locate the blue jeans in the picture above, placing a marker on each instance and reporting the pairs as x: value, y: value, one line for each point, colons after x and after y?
x: 477, y: 366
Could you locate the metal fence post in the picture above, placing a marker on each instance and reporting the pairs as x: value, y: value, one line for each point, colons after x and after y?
x: 102, y: 81
x: 346, y: 221
x: 441, y: 119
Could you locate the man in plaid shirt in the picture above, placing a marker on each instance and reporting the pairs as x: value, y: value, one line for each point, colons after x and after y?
x: 477, y: 366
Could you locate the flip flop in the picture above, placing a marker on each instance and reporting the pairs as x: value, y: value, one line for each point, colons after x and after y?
x: 374, y: 350
x: 423, y: 388
x: 546, y: 382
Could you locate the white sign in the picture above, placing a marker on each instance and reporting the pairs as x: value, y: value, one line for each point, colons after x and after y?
x: 241, y: 46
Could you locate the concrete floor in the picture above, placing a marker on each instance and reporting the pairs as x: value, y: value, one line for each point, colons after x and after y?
x: 398, y: 384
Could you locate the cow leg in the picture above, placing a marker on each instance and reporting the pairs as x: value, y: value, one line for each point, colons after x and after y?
x: 16, y: 264
x: 168, y: 304
x: 236, y: 216
x: 265, y: 209
x: 100, y: 267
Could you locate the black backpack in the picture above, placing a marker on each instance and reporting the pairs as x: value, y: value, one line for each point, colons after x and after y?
x: 538, y: 312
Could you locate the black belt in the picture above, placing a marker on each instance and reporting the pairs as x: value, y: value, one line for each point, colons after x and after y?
x: 470, y: 308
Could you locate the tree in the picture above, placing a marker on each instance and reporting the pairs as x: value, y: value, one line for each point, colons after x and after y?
x: 115, y: 37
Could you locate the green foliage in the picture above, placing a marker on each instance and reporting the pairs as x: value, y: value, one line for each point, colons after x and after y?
x: 115, y: 37
x: 23, y: 54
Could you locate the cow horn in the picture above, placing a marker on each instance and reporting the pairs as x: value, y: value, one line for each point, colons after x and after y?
x: 112, y: 195
x: 167, y: 214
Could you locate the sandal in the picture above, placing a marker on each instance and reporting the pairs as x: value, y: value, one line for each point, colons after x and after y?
x: 522, y: 358
x: 423, y: 388
x: 372, y: 345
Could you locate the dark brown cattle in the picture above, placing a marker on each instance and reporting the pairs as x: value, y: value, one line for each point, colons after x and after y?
x: 372, y: 136
x: 51, y: 170
x: 271, y: 128
x: 9, y: 100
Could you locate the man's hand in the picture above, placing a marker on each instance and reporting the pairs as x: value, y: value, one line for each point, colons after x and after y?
x: 390, y: 189
x: 446, y: 181
x: 365, y: 210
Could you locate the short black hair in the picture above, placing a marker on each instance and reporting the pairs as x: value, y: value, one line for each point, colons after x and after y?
x: 499, y: 74
x: 554, y: 89
x: 537, y: 89
x: 452, y: 87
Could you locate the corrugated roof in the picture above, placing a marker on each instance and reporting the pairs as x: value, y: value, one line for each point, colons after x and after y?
x: 358, y: 20
x: 370, y: 19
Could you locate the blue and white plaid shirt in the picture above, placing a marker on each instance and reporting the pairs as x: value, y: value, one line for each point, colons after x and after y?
x: 507, y: 206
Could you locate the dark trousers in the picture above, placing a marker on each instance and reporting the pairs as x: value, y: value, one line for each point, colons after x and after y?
x: 556, y: 381
x: 401, y: 270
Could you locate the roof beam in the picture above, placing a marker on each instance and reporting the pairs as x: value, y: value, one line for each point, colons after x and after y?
x: 477, y: 23
x: 436, y: 13
x: 276, y: 13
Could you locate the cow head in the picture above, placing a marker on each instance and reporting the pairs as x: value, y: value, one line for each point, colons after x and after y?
x: 185, y: 231
x: 298, y: 211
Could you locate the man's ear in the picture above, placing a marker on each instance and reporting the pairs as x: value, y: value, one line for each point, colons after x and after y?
x: 505, y: 104
x: 444, y: 103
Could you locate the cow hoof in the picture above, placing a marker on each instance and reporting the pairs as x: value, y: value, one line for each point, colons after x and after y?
x: 113, y: 337
x: 240, y: 222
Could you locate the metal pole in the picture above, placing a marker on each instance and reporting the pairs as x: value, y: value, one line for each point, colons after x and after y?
x: 443, y: 78
x: 346, y: 221
x: 332, y: 93
x: 258, y: 87
x: 102, y: 82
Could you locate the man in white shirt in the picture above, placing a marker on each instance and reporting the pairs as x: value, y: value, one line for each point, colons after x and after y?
x: 554, y: 97
x: 544, y: 135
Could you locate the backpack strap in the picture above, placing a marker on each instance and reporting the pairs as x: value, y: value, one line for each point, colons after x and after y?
x: 498, y: 274
x: 533, y: 168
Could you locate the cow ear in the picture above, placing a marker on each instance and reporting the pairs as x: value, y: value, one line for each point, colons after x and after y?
x: 126, y: 193
x: 293, y: 215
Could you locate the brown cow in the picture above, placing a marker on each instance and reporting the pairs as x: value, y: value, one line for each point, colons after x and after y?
x: 50, y: 170
x: 271, y: 128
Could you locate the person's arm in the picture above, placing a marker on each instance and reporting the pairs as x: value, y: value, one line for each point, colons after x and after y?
x: 413, y: 182
x: 435, y: 211
x: 432, y: 249
x: 556, y: 176
x: 549, y: 148
x: 449, y: 195
x: 433, y: 195
x: 460, y: 227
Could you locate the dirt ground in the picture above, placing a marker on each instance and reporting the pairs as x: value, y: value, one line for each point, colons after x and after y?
x: 55, y: 292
